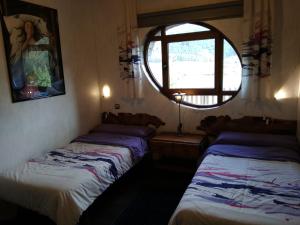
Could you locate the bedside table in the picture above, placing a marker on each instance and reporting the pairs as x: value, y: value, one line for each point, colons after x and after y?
x: 170, y: 150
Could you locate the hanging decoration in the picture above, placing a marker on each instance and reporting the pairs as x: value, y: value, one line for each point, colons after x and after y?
x: 257, y: 45
x: 129, y: 52
x: 257, y: 49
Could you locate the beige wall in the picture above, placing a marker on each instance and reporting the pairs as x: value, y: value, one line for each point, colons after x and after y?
x: 88, y: 33
x: 31, y: 127
x: 292, y: 37
x: 284, y: 76
x: 146, y: 6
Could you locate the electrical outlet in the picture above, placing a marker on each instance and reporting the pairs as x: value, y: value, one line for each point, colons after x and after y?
x: 117, y: 106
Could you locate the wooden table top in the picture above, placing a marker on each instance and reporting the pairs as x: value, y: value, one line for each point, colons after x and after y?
x: 174, y: 137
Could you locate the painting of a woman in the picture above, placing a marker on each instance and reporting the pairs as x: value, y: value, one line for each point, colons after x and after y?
x: 33, y: 58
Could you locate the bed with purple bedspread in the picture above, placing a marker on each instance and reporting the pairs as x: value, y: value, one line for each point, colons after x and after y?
x: 244, y: 179
x: 64, y: 182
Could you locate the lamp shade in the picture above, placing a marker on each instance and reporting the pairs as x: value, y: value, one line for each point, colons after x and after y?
x: 178, y: 96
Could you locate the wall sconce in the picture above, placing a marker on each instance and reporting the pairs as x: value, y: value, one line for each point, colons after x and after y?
x: 281, y: 94
x: 178, y: 98
x: 106, y: 91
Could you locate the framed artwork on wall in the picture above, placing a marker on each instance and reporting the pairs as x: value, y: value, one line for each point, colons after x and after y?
x: 32, y: 47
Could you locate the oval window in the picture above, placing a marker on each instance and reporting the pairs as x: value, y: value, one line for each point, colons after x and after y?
x: 195, y: 59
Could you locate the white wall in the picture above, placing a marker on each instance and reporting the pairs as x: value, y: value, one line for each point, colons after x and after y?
x: 32, y: 127
x: 286, y: 59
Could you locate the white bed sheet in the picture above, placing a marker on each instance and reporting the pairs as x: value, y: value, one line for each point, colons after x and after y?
x: 63, y: 192
x: 240, y: 191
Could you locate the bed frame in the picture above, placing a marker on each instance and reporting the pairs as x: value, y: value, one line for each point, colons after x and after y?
x: 140, y: 119
x: 213, y: 125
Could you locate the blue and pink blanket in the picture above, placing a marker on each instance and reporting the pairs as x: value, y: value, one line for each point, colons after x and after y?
x: 241, y: 185
x: 137, y: 145
x: 62, y: 183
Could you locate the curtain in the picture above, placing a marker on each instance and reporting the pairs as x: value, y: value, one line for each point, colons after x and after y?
x: 257, y: 50
x: 130, y: 52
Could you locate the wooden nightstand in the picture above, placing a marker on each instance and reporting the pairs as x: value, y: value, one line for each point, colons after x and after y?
x: 173, y: 151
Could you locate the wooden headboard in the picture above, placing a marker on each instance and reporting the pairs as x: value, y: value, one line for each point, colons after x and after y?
x: 141, y: 119
x: 213, y: 125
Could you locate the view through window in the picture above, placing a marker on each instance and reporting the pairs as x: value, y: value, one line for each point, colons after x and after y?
x: 196, y: 59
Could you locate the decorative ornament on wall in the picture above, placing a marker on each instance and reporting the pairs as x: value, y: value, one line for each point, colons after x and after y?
x: 257, y: 46
x: 129, y: 57
x: 129, y: 52
x: 258, y: 26
x: 32, y: 47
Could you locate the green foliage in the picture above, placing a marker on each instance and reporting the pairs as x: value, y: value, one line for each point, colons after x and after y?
x: 43, y: 76
x: 192, y: 50
x: 36, y: 63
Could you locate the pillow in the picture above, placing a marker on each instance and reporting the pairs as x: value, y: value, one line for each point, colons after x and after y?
x: 131, y: 130
x: 255, y: 139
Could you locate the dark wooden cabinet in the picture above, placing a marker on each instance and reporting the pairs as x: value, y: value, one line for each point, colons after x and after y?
x: 173, y: 151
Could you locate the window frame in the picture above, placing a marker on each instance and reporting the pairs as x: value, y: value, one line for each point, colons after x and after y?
x: 213, y: 33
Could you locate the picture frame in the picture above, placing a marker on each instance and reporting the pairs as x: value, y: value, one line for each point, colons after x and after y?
x: 32, y: 49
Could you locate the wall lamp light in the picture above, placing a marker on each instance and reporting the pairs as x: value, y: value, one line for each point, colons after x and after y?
x: 106, y: 91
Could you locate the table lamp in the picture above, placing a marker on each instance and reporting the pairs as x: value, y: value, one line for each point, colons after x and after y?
x: 178, y: 98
